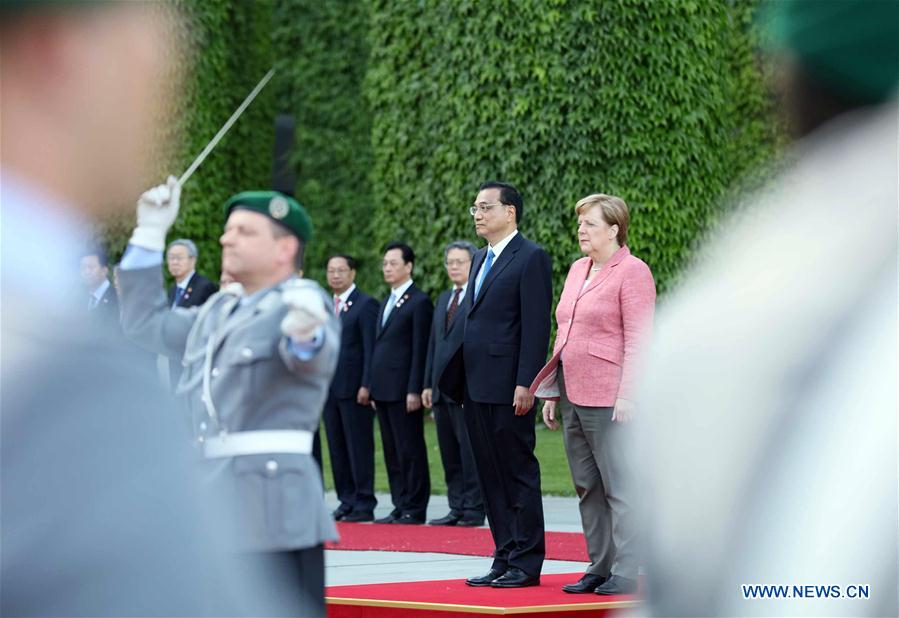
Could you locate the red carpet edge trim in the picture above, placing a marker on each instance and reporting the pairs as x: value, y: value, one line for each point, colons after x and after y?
x: 481, y: 609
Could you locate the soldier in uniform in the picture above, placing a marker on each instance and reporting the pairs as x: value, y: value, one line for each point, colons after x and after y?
x: 256, y: 369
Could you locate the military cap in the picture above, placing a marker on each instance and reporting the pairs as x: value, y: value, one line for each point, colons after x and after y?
x: 278, y: 207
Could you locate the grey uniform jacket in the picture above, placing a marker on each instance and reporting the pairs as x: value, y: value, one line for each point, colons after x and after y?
x: 237, y: 356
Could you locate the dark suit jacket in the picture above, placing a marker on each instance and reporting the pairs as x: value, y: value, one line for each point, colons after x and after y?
x: 359, y: 321
x: 199, y: 288
x: 107, y: 309
x: 443, y: 343
x: 506, y: 327
x: 398, y: 362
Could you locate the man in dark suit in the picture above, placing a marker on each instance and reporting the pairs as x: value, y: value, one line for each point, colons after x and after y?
x: 397, y: 376
x: 191, y: 289
x: 507, y: 323
x: 459, y: 468
x: 349, y: 419
x: 102, y: 300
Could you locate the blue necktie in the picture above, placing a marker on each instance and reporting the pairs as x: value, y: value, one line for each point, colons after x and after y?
x: 179, y: 294
x: 487, y: 264
x: 388, y: 308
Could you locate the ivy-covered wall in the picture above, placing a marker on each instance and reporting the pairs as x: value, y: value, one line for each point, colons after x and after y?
x: 659, y: 102
x: 403, y: 108
x: 322, y: 56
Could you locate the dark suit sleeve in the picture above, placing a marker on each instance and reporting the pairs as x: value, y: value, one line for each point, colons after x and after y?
x: 421, y: 328
x: 368, y: 322
x: 172, y: 294
x: 536, y: 304
x: 209, y: 288
x: 429, y: 356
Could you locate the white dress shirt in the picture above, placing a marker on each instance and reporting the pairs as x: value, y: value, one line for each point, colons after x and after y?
x: 497, y: 250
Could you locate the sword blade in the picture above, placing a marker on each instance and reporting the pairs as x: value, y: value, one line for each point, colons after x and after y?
x: 218, y: 136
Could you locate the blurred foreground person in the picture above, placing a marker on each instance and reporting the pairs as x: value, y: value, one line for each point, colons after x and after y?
x: 257, y: 361
x: 588, y: 384
x: 100, y: 513
x: 770, y: 441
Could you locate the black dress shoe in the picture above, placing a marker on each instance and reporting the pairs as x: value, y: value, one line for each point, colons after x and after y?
x: 447, y: 520
x: 409, y: 520
x: 617, y: 585
x: 485, y: 580
x: 515, y: 578
x: 470, y: 523
x: 358, y: 516
x: 340, y: 513
x: 386, y: 520
x: 588, y: 583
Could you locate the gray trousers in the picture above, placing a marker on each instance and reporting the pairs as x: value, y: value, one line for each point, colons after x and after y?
x: 600, y: 464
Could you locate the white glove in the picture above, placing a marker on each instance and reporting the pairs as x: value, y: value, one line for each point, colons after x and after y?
x: 157, y: 210
x: 306, y: 310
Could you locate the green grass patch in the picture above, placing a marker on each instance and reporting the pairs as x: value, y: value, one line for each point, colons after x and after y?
x: 554, y: 475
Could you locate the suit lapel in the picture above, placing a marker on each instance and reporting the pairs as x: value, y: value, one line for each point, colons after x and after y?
x: 505, y: 258
x: 346, y: 307
x: 606, y: 270
x: 188, y: 290
x: 397, y: 305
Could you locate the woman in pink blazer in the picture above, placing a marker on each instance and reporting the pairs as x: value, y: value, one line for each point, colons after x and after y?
x: 605, y: 310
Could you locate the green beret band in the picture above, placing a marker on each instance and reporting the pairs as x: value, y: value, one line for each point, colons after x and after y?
x: 281, y: 208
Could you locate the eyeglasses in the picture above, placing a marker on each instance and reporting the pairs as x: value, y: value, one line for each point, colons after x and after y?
x: 337, y: 271
x: 177, y: 258
x: 457, y: 262
x: 483, y: 208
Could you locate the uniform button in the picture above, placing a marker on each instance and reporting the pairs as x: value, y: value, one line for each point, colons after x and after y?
x: 246, y: 353
x: 570, y: 320
x: 271, y: 466
x: 204, y: 399
x: 201, y: 439
x: 215, y: 372
x: 202, y: 426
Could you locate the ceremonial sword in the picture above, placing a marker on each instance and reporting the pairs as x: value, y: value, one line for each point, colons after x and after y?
x: 218, y: 136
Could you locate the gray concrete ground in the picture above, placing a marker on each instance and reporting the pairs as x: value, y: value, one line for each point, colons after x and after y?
x: 371, y: 567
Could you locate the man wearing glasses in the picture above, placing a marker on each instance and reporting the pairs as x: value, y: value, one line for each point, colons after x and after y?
x: 349, y: 419
x: 506, y: 334
x: 191, y: 289
x: 459, y: 468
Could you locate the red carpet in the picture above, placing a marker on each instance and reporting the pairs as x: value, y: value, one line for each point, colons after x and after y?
x: 447, y: 540
x: 451, y: 597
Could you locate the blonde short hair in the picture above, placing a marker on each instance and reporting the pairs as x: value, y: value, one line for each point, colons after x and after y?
x: 613, y: 209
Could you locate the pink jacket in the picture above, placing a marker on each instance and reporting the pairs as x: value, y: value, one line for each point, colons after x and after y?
x: 600, y: 329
